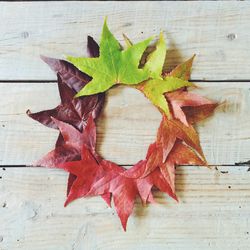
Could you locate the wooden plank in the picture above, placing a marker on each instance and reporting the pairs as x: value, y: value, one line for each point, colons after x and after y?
x: 212, y: 213
x: 127, y: 125
x: 215, y: 31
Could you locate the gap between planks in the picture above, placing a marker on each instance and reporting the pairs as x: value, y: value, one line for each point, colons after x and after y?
x: 128, y: 135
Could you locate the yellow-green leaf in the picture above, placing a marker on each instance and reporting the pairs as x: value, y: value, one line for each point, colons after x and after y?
x: 155, y: 89
x: 156, y: 59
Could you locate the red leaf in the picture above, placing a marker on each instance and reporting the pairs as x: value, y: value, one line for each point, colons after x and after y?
x: 196, y: 114
x: 180, y: 155
x: 93, y: 47
x: 181, y: 98
x: 87, y: 171
x: 70, y: 149
x: 74, y: 111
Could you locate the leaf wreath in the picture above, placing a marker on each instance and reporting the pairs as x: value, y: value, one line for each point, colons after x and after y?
x: 177, y: 142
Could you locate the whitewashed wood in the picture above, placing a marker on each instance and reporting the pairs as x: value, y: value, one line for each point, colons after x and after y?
x: 215, y: 31
x: 213, y: 213
x: 126, y: 127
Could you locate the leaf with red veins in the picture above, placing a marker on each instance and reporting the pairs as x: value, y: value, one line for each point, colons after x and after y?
x: 71, y: 75
x: 74, y: 111
x: 168, y: 133
x: 181, y: 98
x: 70, y: 149
x: 87, y: 172
x: 199, y: 113
x: 170, y: 129
x: 180, y: 155
x: 124, y: 190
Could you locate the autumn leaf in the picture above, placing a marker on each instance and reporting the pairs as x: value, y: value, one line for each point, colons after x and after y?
x: 71, y: 110
x: 169, y: 132
x: 114, y: 66
x: 199, y: 113
x: 87, y: 171
x: 124, y: 190
x: 155, y: 90
x: 70, y: 147
x: 156, y: 59
x: 159, y: 84
x: 182, y: 71
x: 73, y: 140
x: 179, y: 155
x: 182, y: 98
x: 70, y: 80
x: 72, y: 76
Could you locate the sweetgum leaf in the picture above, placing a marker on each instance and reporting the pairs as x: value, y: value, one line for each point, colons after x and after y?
x: 155, y: 90
x: 124, y: 190
x: 171, y: 130
x: 71, y: 110
x: 156, y: 59
x: 70, y: 81
x: 73, y: 140
x: 181, y: 98
x: 159, y: 84
x: 114, y: 66
x: 169, y: 133
x: 199, y: 113
x: 180, y: 155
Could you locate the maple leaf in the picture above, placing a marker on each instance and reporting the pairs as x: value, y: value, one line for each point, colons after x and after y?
x: 71, y: 75
x: 123, y: 189
x: 169, y: 132
x: 181, y: 98
x: 73, y: 140
x: 156, y: 59
x: 180, y: 154
x: 71, y: 110
x: 86, y: 170
x: 199, y: 113
x: 114, y: 66
x: 159, y: 84
x: 70, y: 147
x: 155, y: 90
x: 70, y: 81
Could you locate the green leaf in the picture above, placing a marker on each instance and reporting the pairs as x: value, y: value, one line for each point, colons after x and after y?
x: 114, y: 66
x: 156, y: 59
x: 155, y: 89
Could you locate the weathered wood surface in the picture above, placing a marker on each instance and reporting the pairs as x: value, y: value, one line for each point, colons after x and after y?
x: 212, y: 213
x: 127, y: 126
x: 214, y: 207
x: 216, y: 31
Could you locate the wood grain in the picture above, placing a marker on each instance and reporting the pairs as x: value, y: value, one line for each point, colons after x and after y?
x: 215, y: 31
x: 127, y: 125
x: 214, y: 208
x: 212, y: 213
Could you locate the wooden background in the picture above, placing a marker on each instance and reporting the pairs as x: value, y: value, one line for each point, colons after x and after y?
x: 214, y: 207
